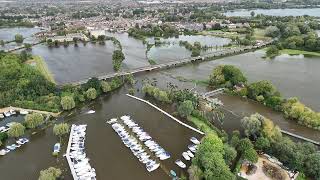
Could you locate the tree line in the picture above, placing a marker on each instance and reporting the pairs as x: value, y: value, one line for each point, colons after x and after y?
x: 265, y: 92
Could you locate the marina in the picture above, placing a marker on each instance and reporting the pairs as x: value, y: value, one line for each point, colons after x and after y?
x: 76, y: 155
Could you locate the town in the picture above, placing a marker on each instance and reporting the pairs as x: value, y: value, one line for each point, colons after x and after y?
x: 160, y: 89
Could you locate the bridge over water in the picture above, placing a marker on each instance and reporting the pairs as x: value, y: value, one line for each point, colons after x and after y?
x: 216, y: 54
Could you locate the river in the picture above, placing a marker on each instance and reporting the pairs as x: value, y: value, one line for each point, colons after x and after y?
x: 276, y: 12
x: 110, y: 158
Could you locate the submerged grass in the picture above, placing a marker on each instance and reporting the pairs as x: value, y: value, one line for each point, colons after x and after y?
x: 41, y: 66
x: 297, y: 52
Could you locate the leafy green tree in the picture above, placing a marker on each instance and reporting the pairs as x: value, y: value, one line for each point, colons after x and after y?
x: 117, y: 59
x: 229, y: 154
x: 227, y: 75
x: 61, y: 129
x: 105, y: 86
x: 235, y: 139
x: 313, y: 165
x: 185, y: 108
x: 272, y: 51
x: 50, y: 174
x: 252, y: 13
x: 262, y: 144
x: 209, y: 158
x: 18, y: 38
x: 67, y: 103
x: 34, y: 120
x: 195, y: 173
x: 262, y: 88
x: 252, y: 125
x: 16, y: 130
x: 24, y: 56
x: 2, y: 42
x: 27, y: 46
x: 291, y: 30
x: 91, y: 93
x: 272, y: 31
x: 245, y: 148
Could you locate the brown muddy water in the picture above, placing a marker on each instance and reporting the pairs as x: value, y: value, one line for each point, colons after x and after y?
x: 110, y: 158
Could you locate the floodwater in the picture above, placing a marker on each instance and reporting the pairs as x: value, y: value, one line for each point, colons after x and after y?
x: 277, y: 12
x: 172, y: 51
x: 74, y: 63
x: 7, y: 34
x: 292, y: 75
x: 110, y: 158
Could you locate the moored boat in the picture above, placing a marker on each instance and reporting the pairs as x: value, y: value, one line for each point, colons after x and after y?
x: 190, y: 154
x: 153, y: 167
x: 186, y: 156
x: 194, y: 140
x: 180, y: 163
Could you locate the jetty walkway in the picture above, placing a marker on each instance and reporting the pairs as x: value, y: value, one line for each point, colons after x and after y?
x: 216, y: 54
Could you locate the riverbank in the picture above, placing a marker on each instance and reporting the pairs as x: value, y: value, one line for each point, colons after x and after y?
x: 6, y: 109
x: 42, y: 67
x: 298, y: 52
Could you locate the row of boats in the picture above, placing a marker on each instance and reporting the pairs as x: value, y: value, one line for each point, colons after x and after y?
x: 76, y: 152
x: 12, y: 112
x: 14, y: 146
x: 189, y: 154
x: 136, y: 144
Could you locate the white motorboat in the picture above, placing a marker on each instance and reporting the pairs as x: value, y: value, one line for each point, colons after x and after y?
x: 152, y: 167
x: 190, y: 154
x: 180, y: 163
x: 7, y: 114
x: 91, y: 112
x: 192, y: 148
x: 186, y: 156
x: 24, y: 112
x: 13, y: 112
x: 111, y: 121
x: 1, y: 116
x: 194, y: 140
x: 4, y: 151
x: 56, y: 148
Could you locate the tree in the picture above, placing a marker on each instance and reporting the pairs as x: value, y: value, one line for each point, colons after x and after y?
x: 16, y: 130
x: 2, y: 42
x: 272, y: 31
x: 262, y: 88
x: 262, y: 144
x: 229, y: 154
x: 185, y: 108
x: 246, y: 150
x: 67, y: 103
x: 50, y: 174
x: 117, y: 58
x: 61, y: 129
x: 209, y: 158
x: 291, y: 30
x: 24, y: 56
x: 235, y: 139
x: 105, y: 86
x: 195, y: 173
x: 91, y: 93
x: 27, y: 46
x: 252, y: 13
x: 227, y: 75
x: 18, y: 38
x: 252, y: 125
x: 272, y: 51
x: 34, y: 120
x: 313, y: 165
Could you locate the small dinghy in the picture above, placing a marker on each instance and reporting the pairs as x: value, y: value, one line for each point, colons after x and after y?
x: 186, y: 156
x: 180, y: 163
x: 111, y: 121
x: 91, y: 112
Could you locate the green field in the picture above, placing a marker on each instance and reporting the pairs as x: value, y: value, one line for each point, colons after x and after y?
x: 41, y: 66
x: 259, y: 34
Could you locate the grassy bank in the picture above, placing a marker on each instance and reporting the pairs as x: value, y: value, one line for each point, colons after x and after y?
x: 297, y: 52
x: 259, y: 34
x: 201, y: 125
x: 41, y: 66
